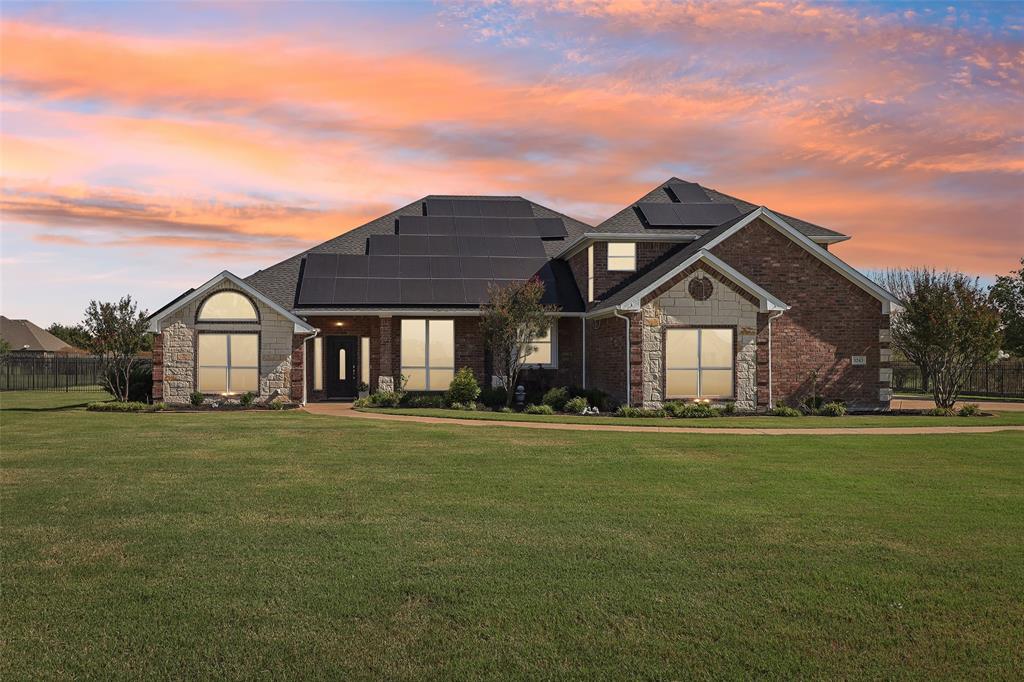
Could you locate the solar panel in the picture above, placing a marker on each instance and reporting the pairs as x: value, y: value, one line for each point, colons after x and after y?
x: 416, y: 291
x: 441, y: 225
x: 384, y: 291
x: 415, y: 266
x: 413, y: 245
x: 511, y: 268
x: 527, y: 248
x: 705, y: 214
x: 321, y: 265
x: 550, y: 228
x: 384, y: 266
x: 352, y: 266
x: 476, y: 268
x: 471, y: 207
x: 383, y: 245
x: 316, y: 290
x: 519, y: 208
x: 445, y: 267
x: 448, y: 292
x: 350, y: 291
x: 475, y: 291
x: 687, y: 192
x: 439, y: 207
x: 413, y: 224
x: 443, y: 246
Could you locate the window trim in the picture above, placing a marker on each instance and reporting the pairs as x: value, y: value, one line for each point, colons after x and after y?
x: 699, y: 368
x: 426, y: 367
x: 228, y: 367
x: 610, y: 258
x: 221, y: 320
x: 553, y: 341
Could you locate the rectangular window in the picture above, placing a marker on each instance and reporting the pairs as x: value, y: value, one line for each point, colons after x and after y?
x: 364, y: 360
x: 228, y: 363
x: 544, y: 350
x: 318, y: 364
x: 590, y: 273
x: 699, y: 363
x: 428, y: 354
x: 622, y: 256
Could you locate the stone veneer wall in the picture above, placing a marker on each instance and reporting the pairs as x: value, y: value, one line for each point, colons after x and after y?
x: 676, y: 308
x: 177, y: 342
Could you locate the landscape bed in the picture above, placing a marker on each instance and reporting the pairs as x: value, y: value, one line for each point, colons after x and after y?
x: 255, y: 544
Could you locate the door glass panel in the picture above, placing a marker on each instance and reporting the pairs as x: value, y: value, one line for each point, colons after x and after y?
x: 414, y: 342
x: 244, y: 350
x: 681, y: 348
x: 681, y: 383
x: 440, y: 379
x: 342, y: 371
x: 716, y: 348
x: 417, y: 378
x: 244, y: 380
x: 442, y: 343
x: 213, y: 349
x: 213, y: 379
x: 716, y: 383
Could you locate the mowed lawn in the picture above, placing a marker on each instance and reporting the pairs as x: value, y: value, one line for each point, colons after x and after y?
x: 281, y: 544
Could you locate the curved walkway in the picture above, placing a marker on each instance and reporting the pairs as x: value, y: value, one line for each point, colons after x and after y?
x: 346, y: 410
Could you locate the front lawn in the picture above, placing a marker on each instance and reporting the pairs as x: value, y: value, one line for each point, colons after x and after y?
x: 752, y: 422
x: 288, y: 545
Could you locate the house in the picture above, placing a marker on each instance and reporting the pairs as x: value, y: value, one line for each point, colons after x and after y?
x: 25, y: 337
x: 686, y: 293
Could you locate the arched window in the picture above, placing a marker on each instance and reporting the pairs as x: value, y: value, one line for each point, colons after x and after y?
x: 227, y: 306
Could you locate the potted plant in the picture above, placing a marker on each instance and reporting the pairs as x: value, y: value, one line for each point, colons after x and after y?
x: 364, y: 389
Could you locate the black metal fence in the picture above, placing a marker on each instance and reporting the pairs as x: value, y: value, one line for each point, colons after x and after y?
x: 1003, y: 379
x: 23, y: 372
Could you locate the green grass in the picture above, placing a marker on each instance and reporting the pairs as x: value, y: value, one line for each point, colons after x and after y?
x: 287, y: 545
x: 762, y: 422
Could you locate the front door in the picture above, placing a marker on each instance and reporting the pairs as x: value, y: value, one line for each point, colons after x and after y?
x: 341, y: 366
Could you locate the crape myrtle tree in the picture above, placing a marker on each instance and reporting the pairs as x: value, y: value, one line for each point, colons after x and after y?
x: 902, y: 283
x: 1007, y: 294
x: 117, y: 332
x: 948, y: 326
x: 511, y: 322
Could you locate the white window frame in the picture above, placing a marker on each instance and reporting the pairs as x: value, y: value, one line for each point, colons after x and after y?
x: 700, y: 367
x: 620, y: 263
x: 553, y: 342
x: 202, y: 309
x: 590, y: 273
x: 427, y: 367
x: 229, y: 366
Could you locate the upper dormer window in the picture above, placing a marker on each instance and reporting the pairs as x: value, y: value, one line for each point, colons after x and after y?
x: 227, y: 306
x: 622, y: 256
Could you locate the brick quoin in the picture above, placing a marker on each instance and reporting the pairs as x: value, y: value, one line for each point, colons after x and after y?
x: 158, y: 367
x: 831, y: 319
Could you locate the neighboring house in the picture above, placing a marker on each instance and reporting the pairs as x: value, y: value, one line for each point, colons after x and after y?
x: 25, y: 337
x: 687, y: 293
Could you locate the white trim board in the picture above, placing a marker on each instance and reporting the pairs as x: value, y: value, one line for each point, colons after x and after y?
x: 300, y: 325
x: 768, y: 302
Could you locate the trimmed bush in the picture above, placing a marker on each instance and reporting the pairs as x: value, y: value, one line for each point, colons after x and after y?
x: 196, y: 398
x: 639, y: 412
x: 140, y: 382
x: 119, y: 406
x: 597, y: 398
x: 465, y: 407
x: 505, y: 410
x: 575, y: 405
x: 729, y: 409
x: 539, y: 409
x: 493, y: 397
x: 463, y: 388
x: 691, y: 410
x: 939, y: 412
x: 785, y: 411
x: 247, y: 399
x: 556, y: 398
x: 970, y: 410
x: 424, y: 400
x: 832, y: 409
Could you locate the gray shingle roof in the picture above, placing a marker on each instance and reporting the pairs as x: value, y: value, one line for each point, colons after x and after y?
x: 279, y: 282
x: 627, y: 221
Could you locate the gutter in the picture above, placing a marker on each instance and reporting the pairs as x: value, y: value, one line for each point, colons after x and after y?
x: 629, y: 393
x: 771, y: 404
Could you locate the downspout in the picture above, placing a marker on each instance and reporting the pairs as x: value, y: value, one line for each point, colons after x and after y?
x: 629, y: 394
x: 305, y: 366
x: 771, y: 403
x: 583, y: 321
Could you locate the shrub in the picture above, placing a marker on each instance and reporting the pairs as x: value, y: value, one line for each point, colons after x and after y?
x: 423, y: 400
x: 539, y: 409
x: 279, y: 403
x: 463, y: 388
x: 466, y: 407
x: 970, y: 410
x: 493, y: 397
x: 597, y: 398
x: 382, y: 399
x: 939, y: 412
x: 832, y: 409
x: 575, y: 405
x: 691, y: 410
x: 785, y: 411
x: 638, y: 412
x: 556, y: 398
x: 505, y: 410
x: 121, y: 406
x: 247, y: 399
x: 729, y: 409
x: 196, y: 398
x: 140, y: 381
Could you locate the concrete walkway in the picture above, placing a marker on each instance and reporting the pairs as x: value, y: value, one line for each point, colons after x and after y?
x: 927, y: 404
x: 345, y: 410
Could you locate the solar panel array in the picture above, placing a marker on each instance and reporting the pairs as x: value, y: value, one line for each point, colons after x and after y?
x: 704, y: 214
x: 446, y: 257
x: 687, y: 192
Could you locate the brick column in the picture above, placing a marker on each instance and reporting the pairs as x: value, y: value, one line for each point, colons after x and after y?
x: 386, y: 376
x: 762, y: 362
x: 158, y: 367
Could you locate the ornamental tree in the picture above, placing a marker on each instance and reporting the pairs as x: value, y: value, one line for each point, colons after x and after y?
x: 117, y: 332
x: 1007, y: 294
x: 510, y: 322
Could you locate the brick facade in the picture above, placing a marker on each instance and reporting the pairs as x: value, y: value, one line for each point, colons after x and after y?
x: 605, y: 281
x: 606, y: 356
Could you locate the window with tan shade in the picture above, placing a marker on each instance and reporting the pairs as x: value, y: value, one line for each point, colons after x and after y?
x: 622, y: 256
x: 227, y: 306
x: 699, y: 363
x: 228, y: 363
x: 428, y: 354
x: 543, y: 351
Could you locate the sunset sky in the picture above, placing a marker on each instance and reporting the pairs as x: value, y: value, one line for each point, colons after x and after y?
x: 146, y: 147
